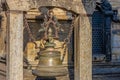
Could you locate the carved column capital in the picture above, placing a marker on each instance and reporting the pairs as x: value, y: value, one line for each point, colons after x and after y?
x: 20, y: 5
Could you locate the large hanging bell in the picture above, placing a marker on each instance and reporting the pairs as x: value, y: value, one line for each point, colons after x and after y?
x: 50, y: 64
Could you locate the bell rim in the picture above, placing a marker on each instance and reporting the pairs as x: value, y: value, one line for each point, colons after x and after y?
x: 53, y: 71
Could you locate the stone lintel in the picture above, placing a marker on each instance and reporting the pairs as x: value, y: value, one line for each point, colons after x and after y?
x: 66, y: 4
x: 25, y: 5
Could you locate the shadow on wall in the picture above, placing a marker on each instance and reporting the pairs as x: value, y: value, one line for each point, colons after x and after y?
x: 40, y: 78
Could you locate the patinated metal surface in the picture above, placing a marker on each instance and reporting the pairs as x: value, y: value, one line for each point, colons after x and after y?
x: 50, y: 62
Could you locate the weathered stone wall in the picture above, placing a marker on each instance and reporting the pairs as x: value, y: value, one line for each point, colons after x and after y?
x: 115, y: 41
x: 115, y: 32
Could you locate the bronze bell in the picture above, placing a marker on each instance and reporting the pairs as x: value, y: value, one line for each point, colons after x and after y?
x: 50, y: 63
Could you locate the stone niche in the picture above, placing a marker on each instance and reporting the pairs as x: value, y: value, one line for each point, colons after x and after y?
x: 35, y: 19
x: 82, y: 40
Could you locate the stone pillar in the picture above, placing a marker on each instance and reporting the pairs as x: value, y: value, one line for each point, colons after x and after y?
x: 15, y: 46
x: 83, y: 47
x: 3, y: 34
x: 85, y: 43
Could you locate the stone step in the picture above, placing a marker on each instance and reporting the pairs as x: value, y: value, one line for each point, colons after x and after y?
x: 106, y: 69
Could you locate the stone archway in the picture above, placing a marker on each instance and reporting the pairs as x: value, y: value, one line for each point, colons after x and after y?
x: 83, y: 53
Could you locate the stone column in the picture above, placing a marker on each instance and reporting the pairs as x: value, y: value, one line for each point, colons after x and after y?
x: 83, y: 47
x: 85, y: 43
x: 3, y: 33
x: 15, y: 46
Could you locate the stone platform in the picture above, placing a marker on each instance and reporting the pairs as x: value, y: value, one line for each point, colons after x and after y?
x: 101, y: 71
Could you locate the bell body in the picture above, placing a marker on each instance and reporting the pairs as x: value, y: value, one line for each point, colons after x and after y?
x: 49, y: 57
x: 50, y: 64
